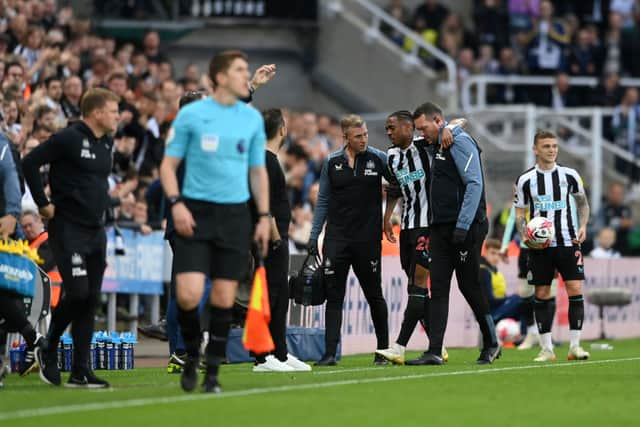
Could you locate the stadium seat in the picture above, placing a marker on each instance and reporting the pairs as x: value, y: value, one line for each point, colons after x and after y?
x: 606, y: 297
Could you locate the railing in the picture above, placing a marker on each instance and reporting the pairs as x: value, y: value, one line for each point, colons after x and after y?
x: 481, y: 81
x: 411, y: 58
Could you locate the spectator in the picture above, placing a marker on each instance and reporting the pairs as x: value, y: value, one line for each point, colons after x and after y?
x: 34, y: 230
x: 432, y: 13
x: 624, y: 8
x: 71, y: 95
x: 30, y: 46
x: 509, y: 65
x: 151, y: 45
x: 398, y: 10
x: 612, y: 45
x: 617, y: 215
x: 495, y: 285
x: 626, y: 132
x: 562, y: 94
x: 522, y: 14
x: 547, y: 43
x: 583, y: 58
x: 604, y: 248
x: 492, y: 24
x: 466, y: 65
x: 631, y: 46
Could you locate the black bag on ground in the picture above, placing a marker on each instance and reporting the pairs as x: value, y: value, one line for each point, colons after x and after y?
x: 306, y: 287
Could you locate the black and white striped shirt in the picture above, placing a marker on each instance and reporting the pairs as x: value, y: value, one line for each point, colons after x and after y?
x: 410, y: 167
x: 546, y: 193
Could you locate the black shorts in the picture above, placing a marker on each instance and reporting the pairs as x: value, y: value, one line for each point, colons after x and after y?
x: 414, y: 249
x: 543, y: 264
x: 221, y: 243
x: 523, y: 263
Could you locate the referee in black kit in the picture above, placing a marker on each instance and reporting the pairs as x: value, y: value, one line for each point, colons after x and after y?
x: 80, y: 161
x: 458, y: 222
x: 350, y: 200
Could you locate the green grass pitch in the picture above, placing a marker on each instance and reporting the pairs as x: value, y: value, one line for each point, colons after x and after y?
x: 603, y: 391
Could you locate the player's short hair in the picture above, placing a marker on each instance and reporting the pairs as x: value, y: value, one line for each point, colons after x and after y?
x: 222, y: 61
x: 493, y: 244
x: 95, y: 99
x: 273, y: 122
x: 402, y: 115
x: 543, y: 134
x: 427, y: 109
x: 351, y: 121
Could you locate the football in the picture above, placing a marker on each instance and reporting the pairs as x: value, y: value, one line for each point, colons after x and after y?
x: 508, y: 330
x: 541, y: 231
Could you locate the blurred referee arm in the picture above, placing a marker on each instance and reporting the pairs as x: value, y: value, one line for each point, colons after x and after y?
x: 322, y: 207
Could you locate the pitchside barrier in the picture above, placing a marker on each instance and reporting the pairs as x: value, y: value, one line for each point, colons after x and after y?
x: 147, y: 260
x: 462, y: 331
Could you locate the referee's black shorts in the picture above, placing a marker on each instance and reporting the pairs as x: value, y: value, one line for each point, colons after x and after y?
x: 414, y: 249
x: 221, y: 242
x: 543, y: 264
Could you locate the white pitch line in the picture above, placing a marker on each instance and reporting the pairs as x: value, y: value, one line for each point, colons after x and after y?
x: 97, y: 406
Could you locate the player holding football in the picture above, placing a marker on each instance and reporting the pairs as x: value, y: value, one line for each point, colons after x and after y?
x: 545, y: 189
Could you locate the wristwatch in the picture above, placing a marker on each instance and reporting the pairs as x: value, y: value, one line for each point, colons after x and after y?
x: 173, y: 200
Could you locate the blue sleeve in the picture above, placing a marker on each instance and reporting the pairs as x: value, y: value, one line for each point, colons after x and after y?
x: 179, y: 136
x: 322, y: 206
x: 258, y: 141
x: 467, y: 159
x: 10, y: 183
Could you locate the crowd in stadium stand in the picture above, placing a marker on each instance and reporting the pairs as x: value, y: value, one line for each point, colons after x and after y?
x: 559, y: 38
x: 48, y: 58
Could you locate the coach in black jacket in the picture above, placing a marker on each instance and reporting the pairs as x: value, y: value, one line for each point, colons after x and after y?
x: 458, y: 223
x: 350, y: 200
x: 80, y: 162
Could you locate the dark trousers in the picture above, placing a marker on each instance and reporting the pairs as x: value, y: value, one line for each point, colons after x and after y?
x: 364, y: 257
x: 465, y: 261
x: 277, y: 265
x: 13, y: 318
x: 80, y: 255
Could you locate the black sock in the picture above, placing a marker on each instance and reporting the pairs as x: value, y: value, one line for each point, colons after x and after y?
x: 61, y: 318
x: 544, y: 309
x: 190, y: 326
x: 526, y: 310
x: 576, y: 312
x: 412, y: 314
x: 29, y: 335
x: 219, y: 324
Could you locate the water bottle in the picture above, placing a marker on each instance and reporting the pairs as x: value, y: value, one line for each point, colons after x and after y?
x: 125, y: 354
x: 115, y: 339
x: 60, y: 354
x: 14, y: 357
x: 601, y: 346
x: 100, y: 351
x: 23, y: 353
x: 108, y: 350
x: 92, y: 352
x: 67, y: 352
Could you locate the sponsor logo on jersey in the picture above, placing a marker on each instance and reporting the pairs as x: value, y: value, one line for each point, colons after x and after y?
x: 545, y: 202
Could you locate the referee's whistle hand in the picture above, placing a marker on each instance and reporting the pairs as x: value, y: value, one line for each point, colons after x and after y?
x: 262, y: 234
x: 183, y: 220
